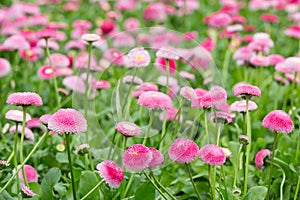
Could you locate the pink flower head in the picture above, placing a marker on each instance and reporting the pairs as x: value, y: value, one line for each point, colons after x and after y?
x: 280, y: 67
x: 220, y: 117
x: 74, y: 83
x: 212, y: 155
x: 58, y: 60
x: 161, y: 64
x: 138, y: 57
x: 82, y: 149
x: 227, y: 152
x: 157, y: 158
x: 67, y: 121
x: 293, y: 64
x: 45, y: 118
x: 258, y: 60
x: 5, y: 67
x: 131, y: 24
x: 243, y: 90
x: 244, y: 140
x: 46, y: 33
x: 187, y: 75
x: 100, y: 84
x: 269, y: 18
x: 291, y: 78
x: 107, y: 26
x: 240, y: 106
x: 90, y: 37
x: 16, y: 115
x: 16, y: 42
x: 243, y: 54
x: 183, y: 150
x: 148, y: 86
x: 114, y: 56
x: 219, y: 20
x: 155, y: 100
x: 204, y: 101
x: 134, y: 79
x: 27, y: 191
x: 64, y: 72
x: 167, y: 53
x: 263, y: 39
x: 4, y: 164
x: 51, y: 44
x: 24, y: 99
x: 278, y: 121
x: 45, y: 72
x: 187, y: 92
x: 112, y: 173
x: 31, y: 174
x: 162, y: 80
x: 28, y: 133
x: 155, y: 12
x: 275, y: 59
x: 75, y: 44
x: 123, y: 40
x: 137, y: 157
x: 33, y: 123
x: 293, y: 31
x: 128, y: 128
x: 260, y: 156
x: 218, y: 96
x: 171, y: 115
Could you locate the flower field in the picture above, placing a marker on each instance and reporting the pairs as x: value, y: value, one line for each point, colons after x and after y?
x: 146, y: 99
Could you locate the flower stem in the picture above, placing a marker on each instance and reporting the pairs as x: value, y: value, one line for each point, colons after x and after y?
x: 206, y: 126
x: 129, y: 184
x: 162, y: 186
x: 167, y: 75
x: 237, y: 166
x: 218, y: 133
x: 112, y: 144
x: 298, y: 145
x: 15, y: 156
x: 149, y: 126
x: 129, y: 93
x: 191, y: 178
x: 71, y: 165
x: 163, y: 133
x: 224, y: 178
x: 21, y: 144
x: 297, y: 189
x: 248, y: 127
x: 23, y: 163
x: 92, y: 190
x: 211, y: 182
x: 271, y: 167
x: 124, y: 142
x: 53, y: 74
x: 156, y: 187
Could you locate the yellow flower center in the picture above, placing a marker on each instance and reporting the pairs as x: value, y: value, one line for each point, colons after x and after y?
x: 48, y: 71
x: 135, y: 153
x: 139, y: 57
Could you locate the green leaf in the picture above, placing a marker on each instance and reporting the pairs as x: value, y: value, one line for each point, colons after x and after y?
x: 5, y: 196
x: 87, y: 182
x: 61, y: 157
x: 145, y: 192
x: 61, y: 189
x: 49, y: 181
x: 35, y: 187
x: 256, y: 193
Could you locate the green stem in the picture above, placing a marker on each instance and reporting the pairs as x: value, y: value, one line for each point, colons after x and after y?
x: 282, y: 182
x: 297, y: 188
x: 206, y: 126
x: 162, y: 186
x: 178, y: 117
x: 237, y: 166
x: 129, y: 184
x: 15, y: 156
x: 149, y: 126
x: 191, y: 178
x: 53, y: 74
x: 124, y: 142
x: 112, y: 144
x: 129, y: 93
x: 163, y: 133
x: 71, y: 165
x: 271, y: 167
x: 92, y: 190
x: 298, y: 145
x: 224, y: 178
x: 211, y: 182
x: 218, y: 133
x: 248, y: 121
x: 23, y: 163
x: 91, y: 160
x: 156, y: 187
x: 86, y: 95
x: 21, y: 144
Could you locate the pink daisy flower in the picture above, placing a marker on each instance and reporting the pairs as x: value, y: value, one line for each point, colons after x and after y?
x: 212, y: 155
x: 82, y: 149
x: 111, y: 173
x: 46, y: 33
x: 63, y: 72
x: 259, y: 61
x: 45, y: 118
x: 219, y: 20
x: 187, y: 75
x: 278, y: 121
x: 16, y: 116
x: 5, y: 67
x: 74, y: 83
x: 33, y: 123
x: 107, y: 26
x: 227, y: 152
x: 240, y: 106
x: 293, y: 64
x: 204, y: 101
x: 16, y: 42
x: 155, y: 100
x: 128, y: 79
x: 45, y: 72
x: 183, y: 150
x: 275, y: 59
x: 24, y: 99
x: 28, y: 133
x: 131, y: 24
x: 243, y: 90
x: 27, y: 190
x: 220, y: 117
x: 59, y: 60
x: 187, y: 92
x: 171, y: 115
x: 148, y: 86
x: 100, y: 84
x: 31, y: 174
x: 244, y: 140
x: 128, y: 128
x: 167, y: 53
x: 157, y: 158
x: 67, y: 121
x: 260, y: 156
x: 138, y: 57
x: 137, y: 157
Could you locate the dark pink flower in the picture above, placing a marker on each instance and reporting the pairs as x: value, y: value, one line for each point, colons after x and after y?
x: 33, y: 123
x: 183, y: 150
x: 293, y: 31
x: 171, y: 115
x: 275, y: 59
x: 24, y: 99
x: 269, y: 18
x: 67, y: 121
x: 112, y: 173
x: 31, y: 174
x: 212, y: 155
x: 45, y: 72
x: 5, y: 67
x: 260, y: 156
x: 155, y: 100
x: 128, y: 128
x: 160, y: 63
x: 107, y: 26
x: 278, y: 121
x: 100, y: 84
x: 157, y: 158
x: 242, y: 90
x: 137, y: 157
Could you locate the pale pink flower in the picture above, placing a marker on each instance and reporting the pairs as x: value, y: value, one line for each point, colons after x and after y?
x: 162, y: 80
x: 183, y: 150
x: 155, y: 100
x: 188, y: 93
x: 219, y: 20
x: 114, y: 56
x: 293, y: 31
x: 28, y: 133
x: 45, y: 118
x: 138, y: 57
x: 148, y: 86
x: 244, y: 140
x: 82, y: 149
x: 58, y: 60
x: 33, y: 123
x: 51, y: 44
x: 293, y: 64
x: 134, y: 79
x: 227, y: 152
x: 240, y: 106
x: 167, y: 53
x: 5, y: 67
x: 90, y: 37
x: 24, y: 99
x: 258, y: 60
x: 75, y: 44
x: 112, y: 173
x: 155, y: 12
x: 243, y: 54
x: 212, y: 155
x: 31, y: 174
x: 63, y: 72
x: 260, y: 156
x: 74, y: 83
x: 137, y: 157
x: 4, y: 163
x: 27, y: 191
x: 280, y: 67
x: 157, y: 158
x: 128, y: 128
x: 16, y: 42
x: 131, y: 24
x: 187, y: 75
x: 278, y: 121
x: 123, y: 39
x: 67, y: 121
x: 100, y: 84
x: 16, y: 115
x: 275, y: 59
